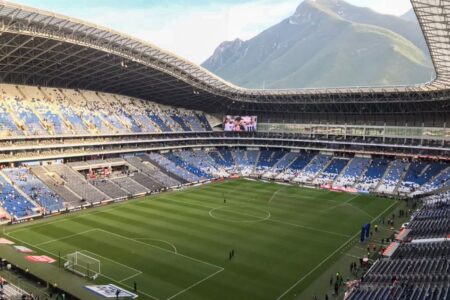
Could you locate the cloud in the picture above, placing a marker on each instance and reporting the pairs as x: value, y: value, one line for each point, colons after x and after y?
x: 194, y: 32
x: 191, y: 31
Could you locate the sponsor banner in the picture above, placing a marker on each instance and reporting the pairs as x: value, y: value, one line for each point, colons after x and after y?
x: 340, y: 188
x: 6, y: 242
x: 111, y: 291
x: 21, y: 221
x: 40, y: 259
x: 23, y: 249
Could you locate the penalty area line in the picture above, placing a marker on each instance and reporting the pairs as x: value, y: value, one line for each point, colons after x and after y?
x: 195, y: 284
x: 103, y: 275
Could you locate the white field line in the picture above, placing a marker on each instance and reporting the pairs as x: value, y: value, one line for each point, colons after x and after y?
x: 195, y: 284
x: 185, y: 256
x: 331, y: 255
x: 163, y: 241
x: 189, y: 202
x: 69, y: 217
x: 275, y: 193
x: 129, y: 277
x: 270, y: 219
x: 138, y: 272
x: 64, y: 238
x: 162, y: 249
x: 309, y: 228
x: 359, y: 209
x: 258, y: 218
x: 56, y: 255
x: 341, y: 203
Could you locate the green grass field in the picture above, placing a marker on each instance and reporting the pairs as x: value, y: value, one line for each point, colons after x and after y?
x: 175, y: 245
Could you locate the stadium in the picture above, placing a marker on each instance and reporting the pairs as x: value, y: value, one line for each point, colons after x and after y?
x: 120, y: 179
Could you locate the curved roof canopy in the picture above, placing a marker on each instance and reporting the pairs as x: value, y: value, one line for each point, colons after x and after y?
x: 43, y: 48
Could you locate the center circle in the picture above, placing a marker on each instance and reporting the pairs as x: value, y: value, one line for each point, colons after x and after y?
x: 239, y: 214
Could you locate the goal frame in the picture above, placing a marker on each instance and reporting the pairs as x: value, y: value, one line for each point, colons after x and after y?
x: 86, y: 269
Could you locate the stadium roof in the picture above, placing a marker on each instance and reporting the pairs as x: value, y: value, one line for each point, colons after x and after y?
x: 48, y: 49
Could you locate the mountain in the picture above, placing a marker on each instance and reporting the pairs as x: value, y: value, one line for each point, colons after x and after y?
x: 410, y: 15
x: 327, y: 43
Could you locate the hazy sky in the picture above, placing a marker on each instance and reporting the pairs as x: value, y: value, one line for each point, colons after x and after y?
x: 191, y: 28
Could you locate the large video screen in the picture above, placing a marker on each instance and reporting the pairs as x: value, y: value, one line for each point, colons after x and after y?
x: 240, y: 123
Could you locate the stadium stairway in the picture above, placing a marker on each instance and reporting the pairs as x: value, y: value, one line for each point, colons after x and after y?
x: 162, y: 169
x: 63, y: 191
x: 383, y: 178
x: 344, y: 170
x: 330, y: 161
x: 18, y: 189
x: 130, y: 186
x: 362, y: 173
x: 402, y: 177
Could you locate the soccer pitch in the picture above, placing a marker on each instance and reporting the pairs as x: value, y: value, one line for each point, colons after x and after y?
x: 176, y: 245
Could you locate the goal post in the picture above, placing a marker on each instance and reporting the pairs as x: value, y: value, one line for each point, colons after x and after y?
x: 83, y: 265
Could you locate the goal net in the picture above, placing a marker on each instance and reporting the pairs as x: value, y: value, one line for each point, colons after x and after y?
x: 83, y: 264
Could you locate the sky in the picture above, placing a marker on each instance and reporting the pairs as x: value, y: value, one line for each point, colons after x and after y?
x: 191, y: 29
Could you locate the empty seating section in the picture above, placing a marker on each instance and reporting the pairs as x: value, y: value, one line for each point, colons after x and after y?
x: 170, y: 167
x: 204, y: 161
x: 228, y: 157
x: 420, y: 173
x: 131, y: 186
x: 194, y: 122
x: 56, y: 185
x: 7, y: 125
x: 218, y: 158
x: 146, y: 182
x: 153, y: 172
x: 181, y: 122
x: 15, y: 204
x: 313, y: 168
x: 109, y: 188
x: 373, y: 174
x: 27, y: 117
x: 409, y: 291
x: 331, y: 171
x: 424, y: 250
x: 353, y: 171
x: 131, y: 122
x: 170, y: 123
x: 392, y: 177
x: 77, y: 183
x: 204, y: 121
x: 77, y: 124
x: 419, y: 268
x: 437, y: 182
x: 145, y: 123
x: 245, y: 161
x: 286, y: 160
x: 252, y: 156
x: 301, y: 161
x: 293, y: 170
x: 268, y: 158
x: 54, y: 122
x: 186, y: 165
x: 159, y: 122
x: 411, y: 270
x: 34, y: 188
x: 431, y: 222
x: 28, y: 110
